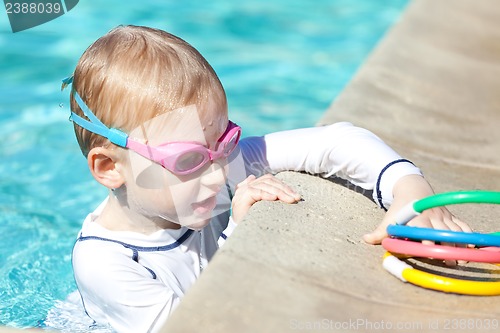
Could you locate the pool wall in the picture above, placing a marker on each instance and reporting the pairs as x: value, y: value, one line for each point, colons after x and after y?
x: 431, y: 90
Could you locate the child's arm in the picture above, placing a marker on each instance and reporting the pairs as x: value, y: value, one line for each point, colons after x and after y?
x: 406, y: 190
x: 349, y: 152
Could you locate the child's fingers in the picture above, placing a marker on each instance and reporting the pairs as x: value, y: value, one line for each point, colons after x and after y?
x: 463, y: 226
x: 423, y: 221
x: 442, y: 219
x: 246, y: 181
x: 253, y: 189
x: 270, y: 188
x: 439, y: 218
x: 455, y: 224
x: 376, y: 236
x: 445, y: 223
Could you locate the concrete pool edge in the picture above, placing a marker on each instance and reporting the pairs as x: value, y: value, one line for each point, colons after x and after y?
x: 429, y: 90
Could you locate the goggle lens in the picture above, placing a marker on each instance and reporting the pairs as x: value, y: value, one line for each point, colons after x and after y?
x: 190, y: 161
x: 231, y: 144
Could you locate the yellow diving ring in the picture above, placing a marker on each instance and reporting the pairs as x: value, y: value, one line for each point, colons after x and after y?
x: 408, y: 273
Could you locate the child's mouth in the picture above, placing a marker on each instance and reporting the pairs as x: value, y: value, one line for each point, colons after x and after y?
x: 205, y: 206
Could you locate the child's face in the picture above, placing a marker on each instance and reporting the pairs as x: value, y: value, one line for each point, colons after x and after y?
x: 188, y: 200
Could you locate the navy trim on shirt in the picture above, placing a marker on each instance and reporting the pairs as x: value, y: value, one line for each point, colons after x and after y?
x: 377, y: 187
x: 168, y: 247
x: 136, y: 249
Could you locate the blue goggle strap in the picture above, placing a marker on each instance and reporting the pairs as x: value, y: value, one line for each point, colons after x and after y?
x: 95, y: 125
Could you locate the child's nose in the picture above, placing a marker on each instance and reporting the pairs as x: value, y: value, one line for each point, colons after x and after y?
x: 214, y: 177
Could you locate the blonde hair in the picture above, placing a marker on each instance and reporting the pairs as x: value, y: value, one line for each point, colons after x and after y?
x: 132, y: 74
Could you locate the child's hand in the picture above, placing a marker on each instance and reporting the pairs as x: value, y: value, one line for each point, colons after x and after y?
x: 254, y: 189
x: 406, y: 190
x: 436, y: 218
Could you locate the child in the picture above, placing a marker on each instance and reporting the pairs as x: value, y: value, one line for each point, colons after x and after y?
x: 150, y: 116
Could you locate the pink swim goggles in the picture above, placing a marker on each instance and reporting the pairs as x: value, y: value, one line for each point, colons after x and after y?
x: 179, y: 157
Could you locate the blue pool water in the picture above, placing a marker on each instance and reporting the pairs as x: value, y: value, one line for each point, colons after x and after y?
x: 281, y: 62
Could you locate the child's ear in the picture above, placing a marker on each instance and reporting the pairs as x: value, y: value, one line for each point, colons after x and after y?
x: 102, y: 165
